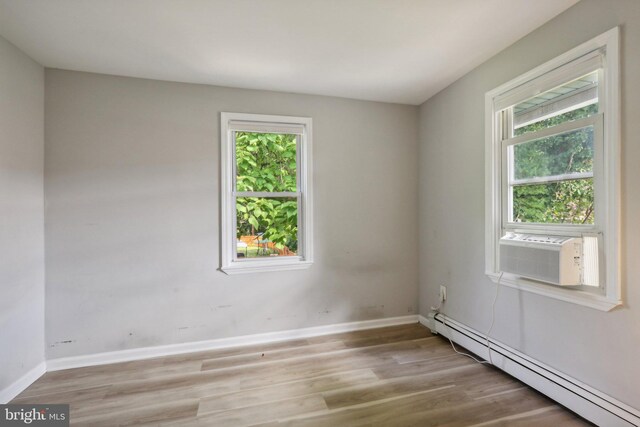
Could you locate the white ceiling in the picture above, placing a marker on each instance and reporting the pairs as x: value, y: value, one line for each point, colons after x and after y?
x: 384, y: 50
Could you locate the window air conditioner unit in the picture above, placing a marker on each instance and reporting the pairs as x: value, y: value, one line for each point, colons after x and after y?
x: 552, y: 259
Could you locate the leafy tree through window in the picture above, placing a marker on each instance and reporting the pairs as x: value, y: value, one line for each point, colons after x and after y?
x: 266, y: 162
x: 565, y: 201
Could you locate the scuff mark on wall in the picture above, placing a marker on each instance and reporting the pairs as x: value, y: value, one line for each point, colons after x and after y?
x: 55, y: 344
x: 290, y: 316
x: 371, y: 312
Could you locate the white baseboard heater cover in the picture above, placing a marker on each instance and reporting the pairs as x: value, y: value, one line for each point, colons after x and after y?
x: 551, y: 259
x: 591, y: 404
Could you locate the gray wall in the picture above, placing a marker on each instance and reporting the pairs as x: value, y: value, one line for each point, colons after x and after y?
x: 599, y: 348
x: 132, y: 228
x: 21, y: 214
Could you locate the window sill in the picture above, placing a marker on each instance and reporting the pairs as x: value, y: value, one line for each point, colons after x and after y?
x: 245, y: 267
x: 587, y: 299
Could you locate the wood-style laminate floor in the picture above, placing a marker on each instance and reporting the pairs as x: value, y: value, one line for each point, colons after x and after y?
x: 395, y: 376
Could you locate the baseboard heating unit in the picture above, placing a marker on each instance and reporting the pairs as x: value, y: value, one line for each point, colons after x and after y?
x: 582, y: 399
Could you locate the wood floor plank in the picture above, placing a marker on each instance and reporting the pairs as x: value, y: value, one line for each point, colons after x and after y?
x: 83, y: 378
x: 397, y: 387
x: 270, y: 355
x: 469, y: 413
x: 85, y: 395
x: 255, y: 414
x: 441, y: 407
x: 287, y: 390
x: 231, y: 398
x: 549, y: 416
x: 379, y: 351
x: 441, y: 363
x: 382, y: 410
x: 422, y: 353
x: 365, y: 338
x: 235, y: 351
x: 150, y: 414
x: 400, y: 375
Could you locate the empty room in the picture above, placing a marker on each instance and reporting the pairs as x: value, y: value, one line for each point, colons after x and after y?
x: 320, y: 212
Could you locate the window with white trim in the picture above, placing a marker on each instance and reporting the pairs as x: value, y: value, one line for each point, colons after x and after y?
x: 266, y: 193
x: 552, y: 175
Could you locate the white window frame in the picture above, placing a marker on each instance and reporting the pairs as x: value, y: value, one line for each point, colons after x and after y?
x: 604, y: 48
x: 229, y: 124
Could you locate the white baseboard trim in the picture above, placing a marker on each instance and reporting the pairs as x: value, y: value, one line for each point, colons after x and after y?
x: 10, y: 392
x: 190, y: 347
x: 591, y: 404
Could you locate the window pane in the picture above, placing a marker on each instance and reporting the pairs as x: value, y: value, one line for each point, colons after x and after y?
x: 571, y: 101
x: 565, y: 153
x: 266, y: 226
x: 562, y: 202
x: 265, y: 162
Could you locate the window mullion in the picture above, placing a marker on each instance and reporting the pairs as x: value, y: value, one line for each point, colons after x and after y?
x: 550, y: 178
x: 553, y: 130
x: 266, y: 194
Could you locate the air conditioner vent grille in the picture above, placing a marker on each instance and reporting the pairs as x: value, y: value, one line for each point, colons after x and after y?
x: 551, y: 259
x: 539, y: 264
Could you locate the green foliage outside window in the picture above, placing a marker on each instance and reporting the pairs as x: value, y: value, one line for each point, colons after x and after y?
x: 267, y: 162
x: 569, y: 201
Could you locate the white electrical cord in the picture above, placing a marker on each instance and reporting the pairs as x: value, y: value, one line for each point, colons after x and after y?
x: 444, y: 322
x: 487, y: 335
x: 493, y: 316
